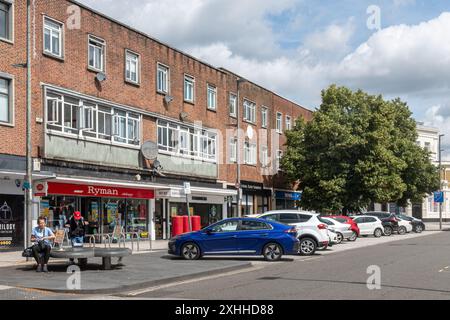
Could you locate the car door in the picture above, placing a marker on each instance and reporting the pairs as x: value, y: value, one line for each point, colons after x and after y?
x: 361, y: 221
x: 252, y: 236
x: 372, y: 224
x: 221, y: 238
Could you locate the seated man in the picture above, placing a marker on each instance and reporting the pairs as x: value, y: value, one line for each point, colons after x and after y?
x: 42, y: 237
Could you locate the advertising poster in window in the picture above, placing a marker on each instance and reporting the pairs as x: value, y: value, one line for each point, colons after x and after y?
x: 11, y: 222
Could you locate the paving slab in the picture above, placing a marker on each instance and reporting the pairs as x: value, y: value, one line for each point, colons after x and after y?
x: 138, y: 271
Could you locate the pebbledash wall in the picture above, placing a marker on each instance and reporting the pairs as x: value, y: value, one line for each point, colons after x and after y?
x: 98, y: 143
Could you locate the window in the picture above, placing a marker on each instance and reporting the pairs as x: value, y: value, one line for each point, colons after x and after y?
x: 6, y: 25
x: 233, y: 150
x: 96, y: 53
x: 250, y: 153
x: 289, y: 218
x: 5, y: 101
x: 53, y: 38
x: 272, y: 217
x: 427, y: 146
x: 226, y: 226
x: 249, y: 111
x: 279, y: 126
x: 279, y: 156
x: 288, y: 123
x: 86, y: 118
x: 189, y: 88
x: 162, y: 78
x: 233, y: 105
x: 212, y: 97
x: 185, y: 141
x: 264, y: 114
x: 264, y: 156
x: 132, y: 67
x: 248, y: 225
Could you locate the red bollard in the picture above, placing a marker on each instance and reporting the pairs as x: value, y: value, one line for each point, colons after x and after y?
x: 185, y: 224
x: 177, y: 225
x: 196, y: 223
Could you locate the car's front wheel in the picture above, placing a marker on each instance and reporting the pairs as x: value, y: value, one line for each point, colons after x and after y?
x: 190, y: 251
x: 388, y: 231
x: 377, y: 233
x: 402, y: 230
x: 353, y: 236
x: 307, y: 247
x: 272, y: 252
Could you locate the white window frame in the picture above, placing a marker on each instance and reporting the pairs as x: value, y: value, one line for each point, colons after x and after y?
x: 53, y: 30
x: 200, y: 145
x: 250, y: 153
x: 96, y: 111
x: 191, y: 80
x: 279, y: 122
x: 288, y: 123
x: 264, y: 156
x: 130, y: 57
x: 210, y: 88
x: 10, y: 98
x: 99, y: 42
x: 249, y: 111
x: 233, y: 150
x: 279, y: 155
x: 232, y: 104
x: 10, y: 25
x: 165, y: 70
x: 264, y: 116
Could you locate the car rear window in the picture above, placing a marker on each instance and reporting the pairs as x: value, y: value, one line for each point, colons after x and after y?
x: 272, y: 217
x: 325, y: 221
x: 341, y: 220
x: 289, y: 218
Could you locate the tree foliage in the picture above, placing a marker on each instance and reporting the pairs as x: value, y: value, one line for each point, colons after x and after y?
x: 358, y: 149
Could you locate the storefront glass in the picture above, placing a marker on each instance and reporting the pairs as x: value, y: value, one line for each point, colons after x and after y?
x: 11, y: 222
x: 209, y: 213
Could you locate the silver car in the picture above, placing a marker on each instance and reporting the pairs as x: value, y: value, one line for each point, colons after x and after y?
x: 342, y: 230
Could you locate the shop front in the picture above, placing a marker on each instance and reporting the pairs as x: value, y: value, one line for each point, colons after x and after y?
x: 103, y: 206
x: 287, y: 199
x: 255, y: 198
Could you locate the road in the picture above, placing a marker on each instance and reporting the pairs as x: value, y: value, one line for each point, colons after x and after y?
x: 416, y: 268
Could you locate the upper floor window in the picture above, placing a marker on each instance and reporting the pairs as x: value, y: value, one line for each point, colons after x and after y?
x: 212, y: 97
x: 6, y: 26
x: 264, y: 156
x: 162, y: 78
x: 278, y: 162
x: 53, y: 37
x: 189, y: 88
x: 132, y: 66
x: 96, y: 53
x: 288, y: 123
x: 187, y: 141
x: 279, y: 124
x: 86, y: 118
x: 233, y: 150
x: 264, y: 117
x: 249, y: 111
x: 249, y: 153
x: 5, y: 100
x: 427, y: 146
x: 233, y: 105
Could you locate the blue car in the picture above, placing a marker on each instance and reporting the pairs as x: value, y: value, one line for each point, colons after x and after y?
x: 237, y: 236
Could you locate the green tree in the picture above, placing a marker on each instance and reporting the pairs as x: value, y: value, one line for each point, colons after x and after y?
x: 357, y: 149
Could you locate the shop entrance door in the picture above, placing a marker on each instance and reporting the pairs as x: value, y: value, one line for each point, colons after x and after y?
x: 91, y: 210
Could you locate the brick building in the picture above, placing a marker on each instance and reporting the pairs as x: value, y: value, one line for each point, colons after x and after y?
x: 108, y: 99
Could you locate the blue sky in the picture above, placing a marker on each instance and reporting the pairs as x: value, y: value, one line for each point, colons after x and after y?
x: 299, y: 47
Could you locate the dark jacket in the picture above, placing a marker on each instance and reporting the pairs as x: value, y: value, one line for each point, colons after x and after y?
x: 77, y: 227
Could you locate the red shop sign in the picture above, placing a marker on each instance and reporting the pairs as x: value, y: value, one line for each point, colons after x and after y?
x: 84, y: 190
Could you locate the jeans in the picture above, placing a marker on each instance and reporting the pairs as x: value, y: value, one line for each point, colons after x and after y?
x: 37, y: 254
x: 77, y: 241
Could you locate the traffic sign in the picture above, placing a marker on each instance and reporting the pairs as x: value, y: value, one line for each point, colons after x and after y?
x: 439, y: 197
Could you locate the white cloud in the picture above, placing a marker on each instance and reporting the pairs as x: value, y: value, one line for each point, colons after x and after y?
x: 438, y: 116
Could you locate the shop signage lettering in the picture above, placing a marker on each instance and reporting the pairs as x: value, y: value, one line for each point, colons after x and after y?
x: 7, y: 228
x: 102, y: 191
x: 98, y: 191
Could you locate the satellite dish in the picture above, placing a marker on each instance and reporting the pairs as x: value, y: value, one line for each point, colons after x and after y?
x: 168, y: 99
x: 250, y: 132
x: 100, y: 77
x: 149, y: 150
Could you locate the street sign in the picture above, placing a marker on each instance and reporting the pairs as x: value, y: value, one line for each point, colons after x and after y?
x: 439, y: 197
x: 187, y: 188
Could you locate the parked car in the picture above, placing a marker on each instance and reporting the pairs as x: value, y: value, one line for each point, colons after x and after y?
x: 404, y: 226
x: 333, y: 239
x: 354, y: 226
x: 343, y: 230
x: 238, y: 236
x: 369, y: 225
x: 311, y: 232
x: 390, y: 222
x: 417, y: 224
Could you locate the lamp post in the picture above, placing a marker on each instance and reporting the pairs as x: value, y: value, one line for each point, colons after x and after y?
x: 238, y: 151
x: 440, y: 180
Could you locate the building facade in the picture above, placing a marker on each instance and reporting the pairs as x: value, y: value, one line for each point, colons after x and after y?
x: 121, y: 120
